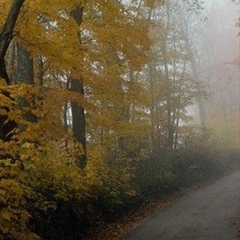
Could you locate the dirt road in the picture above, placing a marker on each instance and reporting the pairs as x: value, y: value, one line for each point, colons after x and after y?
x: 207, y: 214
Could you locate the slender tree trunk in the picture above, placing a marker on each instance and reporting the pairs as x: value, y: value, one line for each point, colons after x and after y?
x: 170, y: 126
x: 199, y: 98
x: 177, y: 111
x: 196, y: 76
x: 152, y: 110
x: 66, y: 108
x: 11, y: 61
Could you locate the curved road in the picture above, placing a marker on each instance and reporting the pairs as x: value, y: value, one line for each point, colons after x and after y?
x: 207, y: 214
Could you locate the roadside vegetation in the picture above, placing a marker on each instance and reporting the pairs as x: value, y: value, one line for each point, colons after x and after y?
x: 57, y: 200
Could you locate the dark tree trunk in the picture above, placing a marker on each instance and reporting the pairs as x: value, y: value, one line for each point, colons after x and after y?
x: 7, y: 34
x: 78, y: 114
x: 25, y: 74
x: 78, y: 120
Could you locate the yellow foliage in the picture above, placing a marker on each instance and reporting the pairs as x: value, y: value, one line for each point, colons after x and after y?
x: 109, y: 51
x: 14, y: 217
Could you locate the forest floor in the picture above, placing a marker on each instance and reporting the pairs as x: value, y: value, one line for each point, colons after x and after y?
x: 204, y: 212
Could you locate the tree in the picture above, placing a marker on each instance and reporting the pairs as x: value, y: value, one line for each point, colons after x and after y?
x: 7, y: 125
x: 170, y: 81
x: 7, y: 35
x: 76, y: 85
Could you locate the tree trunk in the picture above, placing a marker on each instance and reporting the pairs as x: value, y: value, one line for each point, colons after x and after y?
x: 25, y: 74
x: 78, y: 120
x: 170, y: 126
x: 11, y: 61
x: 78, y: 115
x: 196, y: 76
x: 7, y: 34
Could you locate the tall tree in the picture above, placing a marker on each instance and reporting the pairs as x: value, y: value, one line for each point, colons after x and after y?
x: 76, y: 85
x: 7, y: 35
x: 7, y: 125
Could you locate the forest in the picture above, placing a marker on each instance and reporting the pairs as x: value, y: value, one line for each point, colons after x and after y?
x: 108, y: 104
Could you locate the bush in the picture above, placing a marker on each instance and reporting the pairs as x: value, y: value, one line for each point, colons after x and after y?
x: 54, y: 199
x: 14, y: 198
x: 178, y: 169
x: 71, y: 200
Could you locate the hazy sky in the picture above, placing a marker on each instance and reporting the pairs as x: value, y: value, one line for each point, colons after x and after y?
x: 222, y: 18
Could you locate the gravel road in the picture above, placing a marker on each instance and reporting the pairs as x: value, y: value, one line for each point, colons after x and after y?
x: 207, y: 214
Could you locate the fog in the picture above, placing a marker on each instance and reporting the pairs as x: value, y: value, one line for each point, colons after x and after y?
x: 108, y: 106
x: 218, y: 64
x: 212, y: 40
